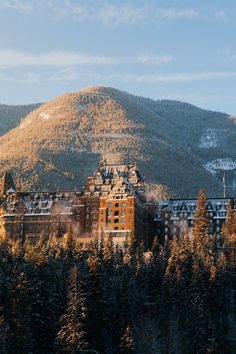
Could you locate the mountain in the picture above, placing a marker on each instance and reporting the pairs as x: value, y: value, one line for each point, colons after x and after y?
x: 10, y: 115
x: 177, y: 146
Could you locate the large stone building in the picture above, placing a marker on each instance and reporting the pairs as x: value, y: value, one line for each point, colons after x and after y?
x: 176, y: 216
x: 114, y: 200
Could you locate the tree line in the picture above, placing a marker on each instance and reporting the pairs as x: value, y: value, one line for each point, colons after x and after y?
x: 177, y: 298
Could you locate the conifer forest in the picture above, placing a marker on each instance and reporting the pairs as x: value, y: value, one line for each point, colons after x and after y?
x: 178, y: 297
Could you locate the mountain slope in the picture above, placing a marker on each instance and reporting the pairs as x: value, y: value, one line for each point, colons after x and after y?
x: 60, y: 144
x: 10, y: 115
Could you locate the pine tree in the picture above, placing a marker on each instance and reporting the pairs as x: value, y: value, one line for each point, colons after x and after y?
x: 19, y: 315
x: 72, y: 335
x: 127, y: 342
x: 132, y: 249
x: 108, y: 253
x: 4, y: 335
x: 229, y: 227
x: 200, y: 227
x: 155, y: 247
x: 69, y: 242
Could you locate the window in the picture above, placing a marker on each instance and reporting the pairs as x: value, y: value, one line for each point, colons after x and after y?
x: 122, y: 221
x: 116, y: 221
x: 123, y: 205
x: 166, y: 215
x: 109, y: 205
x: 166, y: 229
x: 109, y: 213
x: 116, y: 213
x: 116, y: 205
x: 116, y: 228
x: 166, y: 222
x: 123, y: 213
x: 109, y: 221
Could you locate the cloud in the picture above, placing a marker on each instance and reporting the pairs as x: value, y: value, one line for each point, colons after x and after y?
x: 17, y: 5
x: 21, y: 78
x: 73, y: 74
x: 115, y: 15
x: 11, y: 58
x: 174, y: 14
x: 155, y: 59
x: 108, y: 14
x: 220, y: 15
x: 112, y: 15
x: 181, y: 77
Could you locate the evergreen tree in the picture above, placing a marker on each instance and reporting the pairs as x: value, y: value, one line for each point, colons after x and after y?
x: 4, y: 335
x: 72, y: 335
x: 155, y: 247
x: 108, y: 253
x: 229, y: 227
x: 19, y: 315
x: 127, y: 342
x: 132, y: 249
x: 200, y: 227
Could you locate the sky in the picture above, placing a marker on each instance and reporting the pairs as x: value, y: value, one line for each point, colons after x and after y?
x: 164, y: 49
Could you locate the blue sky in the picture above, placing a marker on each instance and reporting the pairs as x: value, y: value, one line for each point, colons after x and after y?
x: 174, y: 49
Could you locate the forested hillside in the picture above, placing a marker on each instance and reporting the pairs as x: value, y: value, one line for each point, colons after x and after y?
x: 10, y: 116
x: 178, y: 147
x: 179, y: 298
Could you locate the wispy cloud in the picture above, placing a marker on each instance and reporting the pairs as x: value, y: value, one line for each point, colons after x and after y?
x: 110, y: 14
x: 154, y: 59
x: 173, y: 13
x: 114, y: 15
x: 17, y: 5
x: 21, y: 78
x: 74, y: 74
x: 181, y: 77
x: 11, y: 58
x: 70, y: 74
x: 220, y: 15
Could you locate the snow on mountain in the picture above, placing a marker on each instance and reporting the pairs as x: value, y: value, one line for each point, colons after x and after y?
x: 208, y: 139
x: 44, y: 115
x: 223, y: 164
